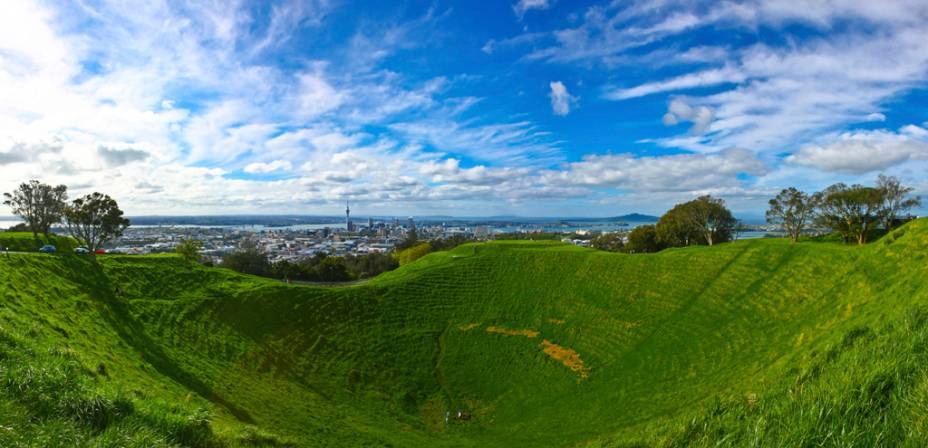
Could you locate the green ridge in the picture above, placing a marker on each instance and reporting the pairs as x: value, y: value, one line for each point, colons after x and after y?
x: 757, y: 342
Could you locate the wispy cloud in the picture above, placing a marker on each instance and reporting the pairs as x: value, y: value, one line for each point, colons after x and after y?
x: 523, y: 6
x: 300, y: 104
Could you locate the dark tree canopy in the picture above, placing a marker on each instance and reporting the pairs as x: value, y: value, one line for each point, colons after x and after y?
x: 704, y: 220
x: 611, y: 242
x: 793, y: 210
x: 321, y: 267
x: 451, y: 242
x: 675, y: 228
x: 643, y: 239
x: 851, y: 211
x: 21, y: 227
x: 248, y: 259
x: 333, y: 269
x: 94, y: 220
x: 370, y: 265
x: 896, y: 200
x: 40, y: 205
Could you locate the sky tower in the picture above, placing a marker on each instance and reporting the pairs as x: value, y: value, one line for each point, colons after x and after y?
x: 347, y: 217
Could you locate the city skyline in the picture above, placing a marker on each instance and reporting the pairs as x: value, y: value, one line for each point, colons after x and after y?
x: 534, y: 108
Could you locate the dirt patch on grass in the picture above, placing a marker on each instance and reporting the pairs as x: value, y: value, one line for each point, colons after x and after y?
x: 566, y: 356
x: 557, y: 321
x: 511, y: 332
x: 468, y: 327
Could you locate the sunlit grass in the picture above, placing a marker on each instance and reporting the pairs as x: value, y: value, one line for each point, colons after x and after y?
x: 753, y: 343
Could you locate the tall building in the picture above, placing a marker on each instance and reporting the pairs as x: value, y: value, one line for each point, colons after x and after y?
x: 370, y: 223
x: 347, y: 217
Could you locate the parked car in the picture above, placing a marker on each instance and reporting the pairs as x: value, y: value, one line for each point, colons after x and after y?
x: 48, y: 249
x: 100, y: 251
x: 81, y: 250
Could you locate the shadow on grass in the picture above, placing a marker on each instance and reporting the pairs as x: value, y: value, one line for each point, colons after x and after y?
x: 120, y: 319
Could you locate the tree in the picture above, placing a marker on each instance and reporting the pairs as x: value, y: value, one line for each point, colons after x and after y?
x: 611, y: 242
x: 714, y: 221
x: 333, y: 269
x: 412, y: 238
x: 896, y: 200
x: 248, y: 259
x: 94, y: 220
x: 851, y: 211
x: 370, y: 265
x: 643, y: 239
x: 675, y: 228
x: 451, y: 242
x: 189, y: 249
x: 793, y: 210
x: 414, y: 253
x: 704, y: 220
x: 40, y: 205
x: 286, y: 270
x: 21, y: 227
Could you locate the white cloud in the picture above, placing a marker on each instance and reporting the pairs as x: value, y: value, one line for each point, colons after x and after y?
x: 679, y: 110
x: 561, y: 99
x: 762, y: 97
x: 316, y: 95
x: 864, y: 151
x: 675, y: 173
x: 264, y: 168
x: 179, y: 96
x: 449, y: 170
x: 699, y: 79
x: 523, y: 6
x: 514, y: 143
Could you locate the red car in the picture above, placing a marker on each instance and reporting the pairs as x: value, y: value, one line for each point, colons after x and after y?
x: 100, y: 251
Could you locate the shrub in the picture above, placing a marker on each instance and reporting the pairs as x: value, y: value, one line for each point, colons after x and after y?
x: 414, y: 253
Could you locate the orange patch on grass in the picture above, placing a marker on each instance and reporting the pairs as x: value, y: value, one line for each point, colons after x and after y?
x: 511, y: 332
x: 556, y: 321
x: 468, y: 327
x: 566, y: 356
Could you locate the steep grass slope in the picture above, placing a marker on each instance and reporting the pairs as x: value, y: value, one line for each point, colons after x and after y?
x: 752, y: 343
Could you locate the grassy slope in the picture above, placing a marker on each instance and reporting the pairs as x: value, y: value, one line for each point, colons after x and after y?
x: 26, y: 242
x: 758, y: 341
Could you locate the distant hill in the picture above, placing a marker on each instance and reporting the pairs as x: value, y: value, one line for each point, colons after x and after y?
x: 502, y: 344
x: 635, y: 217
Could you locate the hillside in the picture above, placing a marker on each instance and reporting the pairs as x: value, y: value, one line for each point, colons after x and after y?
x: 26, y: 242
x: 757, y: 342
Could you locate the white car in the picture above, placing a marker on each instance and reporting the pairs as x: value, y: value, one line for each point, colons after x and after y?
x: 81, y: 250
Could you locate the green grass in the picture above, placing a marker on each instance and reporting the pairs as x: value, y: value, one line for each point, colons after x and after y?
x: 752, y: 343
x: 26, y: 242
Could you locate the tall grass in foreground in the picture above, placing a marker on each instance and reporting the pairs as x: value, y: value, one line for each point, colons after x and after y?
x: 870, y: 389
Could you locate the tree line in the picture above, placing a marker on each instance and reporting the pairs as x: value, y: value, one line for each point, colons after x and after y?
x: 702, y: 221
x: 854, y: 212
x: 322, y: 267
x: 93, y: 220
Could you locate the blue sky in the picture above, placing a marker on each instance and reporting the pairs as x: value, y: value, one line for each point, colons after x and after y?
x: 530, y: 107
